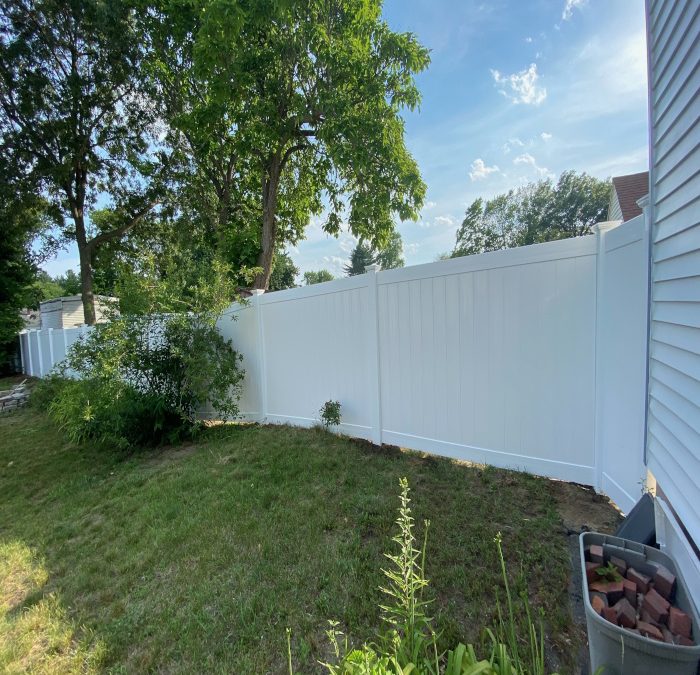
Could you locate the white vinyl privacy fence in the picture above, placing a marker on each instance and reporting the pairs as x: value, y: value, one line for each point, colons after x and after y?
x: 531, y: 358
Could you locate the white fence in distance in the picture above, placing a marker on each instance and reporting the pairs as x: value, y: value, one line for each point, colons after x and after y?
x: 531, y: 358
x: 41, y: 349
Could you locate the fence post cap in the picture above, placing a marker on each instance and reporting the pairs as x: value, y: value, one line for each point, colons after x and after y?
x: 600, y: 228
x: 257, y: 291
x: 373, y: 269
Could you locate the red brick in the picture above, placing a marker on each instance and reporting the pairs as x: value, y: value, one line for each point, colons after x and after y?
x: 648, y: 630
x: 630, y: 589
x: 626, y: 616
x: 613, y: 589
x: 657, y: 606
x: 591, y: 567
x: 619, y: 564
x: 598, y: 603
x: 610, y: 614
x: 596, y: 553
x: 679, y: 622
x: 648, y: 618
x: 664, y: 582
x: 642, y: 580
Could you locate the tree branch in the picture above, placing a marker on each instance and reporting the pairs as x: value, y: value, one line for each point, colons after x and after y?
x: 122, y: 229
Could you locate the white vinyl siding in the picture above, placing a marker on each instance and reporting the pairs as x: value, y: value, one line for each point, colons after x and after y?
x: 673, y: 433
x: 614, y: 210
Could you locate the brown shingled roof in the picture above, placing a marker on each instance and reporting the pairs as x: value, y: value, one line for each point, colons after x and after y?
x: 629, y: 189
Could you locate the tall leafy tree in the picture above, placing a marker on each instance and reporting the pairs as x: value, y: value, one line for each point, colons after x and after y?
x: 315, y: 90
x: 284, y: 273
x: 391, y: 256
x: 72, y: 117
x: 23, y: 215
x: 317, y: 277
x: 534, y: 213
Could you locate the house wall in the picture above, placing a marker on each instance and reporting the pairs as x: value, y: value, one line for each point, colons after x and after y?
x: 673, y: 423
x: 68, y: 312
x: 614, y: 210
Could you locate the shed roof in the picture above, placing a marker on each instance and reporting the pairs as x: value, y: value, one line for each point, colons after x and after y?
x: 629, y: 190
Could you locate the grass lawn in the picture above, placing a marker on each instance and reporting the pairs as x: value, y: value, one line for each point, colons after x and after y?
x: 195, y: 559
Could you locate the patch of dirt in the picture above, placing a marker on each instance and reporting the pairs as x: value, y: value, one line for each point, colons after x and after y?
x: 169, y: 455
x: 582, y: 509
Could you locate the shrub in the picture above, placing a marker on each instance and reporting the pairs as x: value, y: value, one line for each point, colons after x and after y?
x: 330, y: 414
x: 143, y: 380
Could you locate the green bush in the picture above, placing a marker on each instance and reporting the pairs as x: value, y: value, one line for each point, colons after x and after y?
x: 330, y: 414
x: 143, y: 380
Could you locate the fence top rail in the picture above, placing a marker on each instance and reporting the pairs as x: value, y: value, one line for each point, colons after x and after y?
x: 512, y: 257
x: 523, y: 255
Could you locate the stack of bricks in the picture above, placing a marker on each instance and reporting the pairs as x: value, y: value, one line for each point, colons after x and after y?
x: 640, y: 603
x: 13, y: 398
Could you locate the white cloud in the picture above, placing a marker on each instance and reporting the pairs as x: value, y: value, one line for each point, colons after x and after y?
x: 569, y: 8
x: 527, y: 159
x: 609, y: 81
x: 347, y: 242
x: 521, y: 87
x: 545, y: 136
x: 438, y: 221
x: 512, y: 143
x: 429, y: 205
x: 528, y: 39
x: 479, y: 170
x: 411, y: 249
x: 334, y: 264
x: 444, y: 220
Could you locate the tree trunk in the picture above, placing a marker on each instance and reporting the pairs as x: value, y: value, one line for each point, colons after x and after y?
x: 85, y: 253
x: 270, y: 188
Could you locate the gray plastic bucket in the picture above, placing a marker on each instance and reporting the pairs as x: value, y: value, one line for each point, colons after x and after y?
x: 621, y: 652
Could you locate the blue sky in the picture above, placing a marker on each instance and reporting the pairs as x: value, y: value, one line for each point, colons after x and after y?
x: 516, y: 90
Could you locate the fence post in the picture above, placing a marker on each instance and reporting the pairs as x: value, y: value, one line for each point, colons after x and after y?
x: 30, y: 369
x: 52, y: 357
x: 38, y: 351
x: 375, y: 384
x: 22, y: 358
x: 600, y: 230
x: 257, y: 307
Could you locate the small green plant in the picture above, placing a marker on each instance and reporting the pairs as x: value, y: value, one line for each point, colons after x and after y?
x: 609, y: 573
x: 409, y: 643
x: 330, y: 414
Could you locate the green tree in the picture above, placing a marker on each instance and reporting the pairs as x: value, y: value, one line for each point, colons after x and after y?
x: 388, y: 258
x: 284, y: 273
x: 22, y: 215
x: 362, y: 256
x: 42, y: 287
x: 72, y: 116
x: 69, y: 282
x: 315, y: 92
x: 391, y: 256
x: 534, y: 213
x: 317, y: 277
